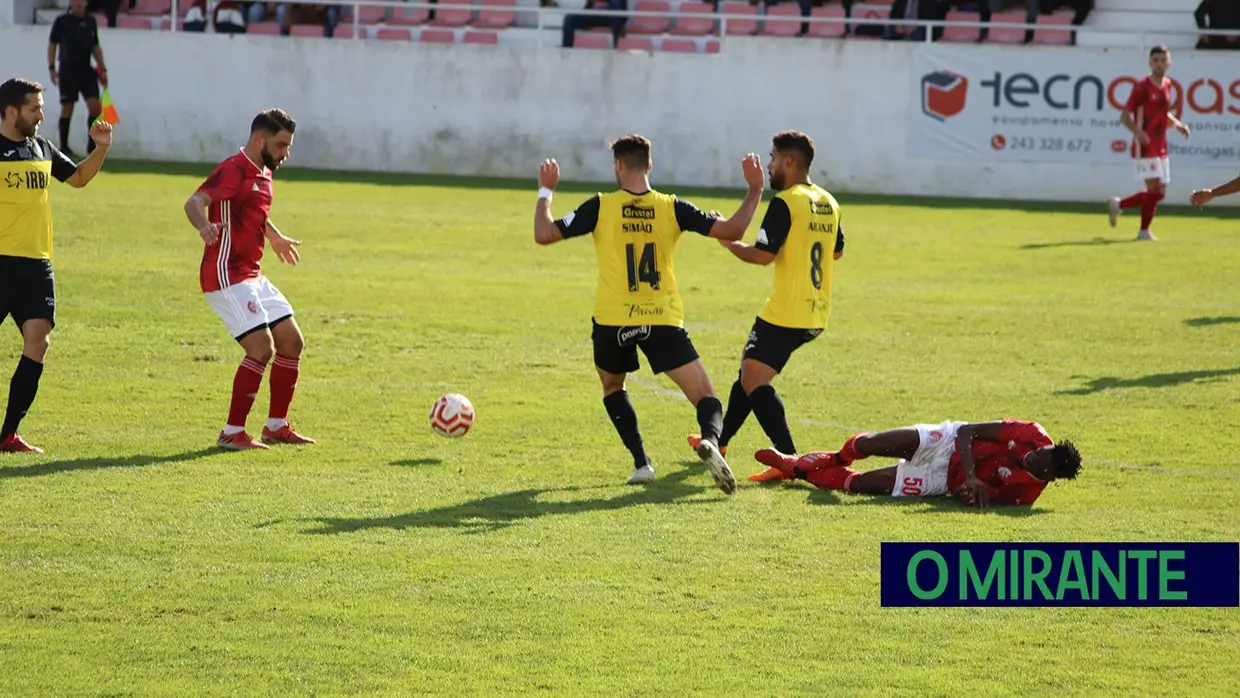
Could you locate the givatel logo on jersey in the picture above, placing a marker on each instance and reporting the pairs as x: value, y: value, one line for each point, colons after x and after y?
x: 645, y: 213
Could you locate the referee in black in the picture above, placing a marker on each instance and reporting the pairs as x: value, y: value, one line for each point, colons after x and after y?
x: 75, y: 34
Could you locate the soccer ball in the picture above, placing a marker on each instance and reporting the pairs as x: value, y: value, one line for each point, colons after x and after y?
x: 452, y: 415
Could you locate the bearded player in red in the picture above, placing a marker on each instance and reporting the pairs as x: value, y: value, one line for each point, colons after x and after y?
x: 1147, y: 114
x: 1007, y: 462
x: 231, y: 212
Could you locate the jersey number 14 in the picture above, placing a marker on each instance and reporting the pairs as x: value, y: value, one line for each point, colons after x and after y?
x: 643, y: 270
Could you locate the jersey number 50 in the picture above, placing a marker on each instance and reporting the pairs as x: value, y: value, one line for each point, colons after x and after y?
x: 644, y: 270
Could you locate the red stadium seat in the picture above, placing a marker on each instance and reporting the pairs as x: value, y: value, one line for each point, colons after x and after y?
x: 678, y: 46
x: 694, y: 26
x: 591, y: 40
x: 166, y: 24
x: 1000, y: 35
x: 445, y: 16
x: 739, y: 27
x: 485, y: 38
x: 966, y: 35
x: 394, y: 34
x: 496, y: 18
x: 369, y: 14
x: 149, y: 8
x: 823, y: 30
x: 636, y: 43
x: 263, y: 29
x: 124, y: 22
x: 712, y: 46
x: 313, y: 30
x: 409, y: 17
x: 778, y: 22
x: 1049, y: 30
x: 650, y: 25
x: 437, y: 36
x: 345, y: 31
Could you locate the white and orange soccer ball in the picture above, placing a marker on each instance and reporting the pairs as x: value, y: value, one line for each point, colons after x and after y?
x: 452, y: 415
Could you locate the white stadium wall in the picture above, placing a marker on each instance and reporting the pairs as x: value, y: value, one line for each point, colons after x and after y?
x: 884, y: 119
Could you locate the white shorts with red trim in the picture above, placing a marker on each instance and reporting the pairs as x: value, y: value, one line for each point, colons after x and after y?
x: 249, y: 305
x: 1153, y: 168
x: 925, y: 474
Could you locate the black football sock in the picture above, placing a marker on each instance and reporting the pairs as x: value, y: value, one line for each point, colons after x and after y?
x: 22, y: 389
x: 769, y: 409
x: 738, y: 412
x: 710, y: 418
x: 624, y: 418
x: 90, y: 142
x: 64, y: 133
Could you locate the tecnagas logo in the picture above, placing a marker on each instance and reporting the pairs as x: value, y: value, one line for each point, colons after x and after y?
x: 1060, y: 574
x: 943, y: 94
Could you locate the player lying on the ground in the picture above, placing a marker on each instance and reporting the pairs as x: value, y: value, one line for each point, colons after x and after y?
x: 1007, y: 462
x: 1201, y: 197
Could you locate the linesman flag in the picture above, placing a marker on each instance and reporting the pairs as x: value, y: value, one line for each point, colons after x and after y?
x: 108, y: 111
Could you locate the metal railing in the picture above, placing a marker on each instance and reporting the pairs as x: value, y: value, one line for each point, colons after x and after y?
x: 723, y: 19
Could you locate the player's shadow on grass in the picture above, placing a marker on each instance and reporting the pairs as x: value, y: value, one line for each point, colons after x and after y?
x: 925, y: 504
x: 1095, y: 242
x: 1154, y: 380
x: 500, y: 511
x: 1209, y: 321
x: 413, y: 462
x: 65, y: 466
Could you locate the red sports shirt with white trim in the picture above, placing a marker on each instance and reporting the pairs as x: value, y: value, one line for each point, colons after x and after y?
x: 241, y: 194
x: 1150, y: 103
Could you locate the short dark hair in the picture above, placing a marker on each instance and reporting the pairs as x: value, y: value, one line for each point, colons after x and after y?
x: 273, y: 121
x: 633, y: 150
x: 1159, y: 49
x: 1065, y: 461
x: 14, y: 91
x: 795, y: 143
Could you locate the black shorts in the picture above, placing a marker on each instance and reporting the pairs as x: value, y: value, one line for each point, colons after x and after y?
x: 666, y: 347
x: 78, y: 81
x: 27, y: 290
x: 773, y: 345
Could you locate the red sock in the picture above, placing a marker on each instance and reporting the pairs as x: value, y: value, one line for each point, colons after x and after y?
x: 245, y: 387
x: 1148, y: 207
x: 833, y: 478
x: 1135, y: 201
x: 283, y: 382
x: 849, y: 452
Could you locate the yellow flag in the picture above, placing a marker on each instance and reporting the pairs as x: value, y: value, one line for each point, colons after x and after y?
x: 108, y: 113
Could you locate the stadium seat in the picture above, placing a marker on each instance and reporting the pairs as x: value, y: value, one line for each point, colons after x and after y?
x: 149, y: 8
x: 636, y: 43
x: 409, y: 17
x: 592, y: 40
x: 394, y: 34
x: 165, y: 24
x: 678, y: 46
x: 823, y: 30
x: 778, y: 21
x: 496, y: 18
x: 345, y: 31
x: 1049, y: 32
x: 1003, y: 35
x: 124, y: 22
x: 967, y: 35
x: 263, y: 29
x: 693, y: 26
x: 739, y: 27
x: 485, y: 38
x: 311, y: 30
x: 447, y: 17
x: 437, y: 36
x: 650, y: 25
x: 369, y: 14
x: 712, y: 46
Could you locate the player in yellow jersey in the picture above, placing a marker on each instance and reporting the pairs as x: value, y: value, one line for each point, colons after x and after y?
x: 28, y: 163
x: 801, y: 235
x: 637, y: 305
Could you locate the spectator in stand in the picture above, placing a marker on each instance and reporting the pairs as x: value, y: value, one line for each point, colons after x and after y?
x: 574, y: 22
x: 1218, y: 14
x: 109, y: 8
x: 1047, y: 7
x: 288, y: 14
x: 227, y: 18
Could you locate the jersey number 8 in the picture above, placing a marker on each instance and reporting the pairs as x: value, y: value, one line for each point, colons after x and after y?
x: 815, y: 265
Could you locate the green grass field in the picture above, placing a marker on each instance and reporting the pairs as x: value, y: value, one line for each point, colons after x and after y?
x: 138, y: 560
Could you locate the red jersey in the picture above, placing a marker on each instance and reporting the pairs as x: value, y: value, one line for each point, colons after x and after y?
x: 240, y: 194
x: 998, y: 463
x: 1149, y: 103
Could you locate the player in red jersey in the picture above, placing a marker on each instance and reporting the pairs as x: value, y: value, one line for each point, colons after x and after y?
x: 1005, y: 462
x: 1147, y: 114
x: 231, y: 211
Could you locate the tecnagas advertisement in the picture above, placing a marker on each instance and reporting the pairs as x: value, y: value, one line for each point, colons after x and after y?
x: 1064, y: 105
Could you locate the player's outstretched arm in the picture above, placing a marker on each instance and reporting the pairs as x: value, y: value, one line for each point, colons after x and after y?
x: 545, y: 230
x: 734, y: 227
x: 101, y: 134
x: 1201, y: 197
